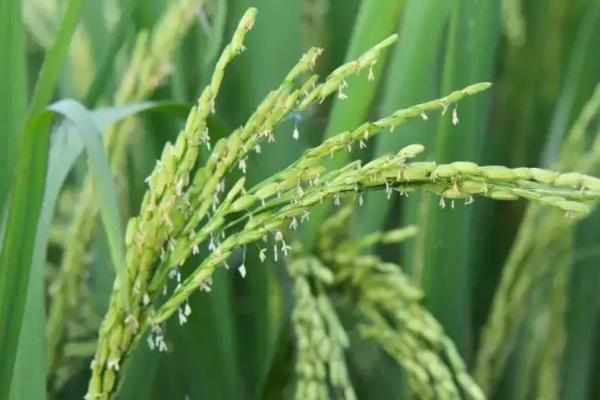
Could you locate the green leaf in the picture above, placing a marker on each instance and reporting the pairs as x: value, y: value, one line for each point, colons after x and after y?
x: 273, y: 47
x: 203, y: 363
x: 93, y: 21
x: 115, y: 42
x: 66, y: 147
x: 340, y: 18
x: 31, y: 353
x: 22, y: 212
x: 104, y: 186
x: 214, y: 40
x: 583, y: 303
x: 376, y: 20
x: 104, y: 117
x: 411, y: 78
x: 577, y: 63
x: 136, y: 382
x: 582, y: 315
x: 444, y: 244
x: 54, y: 60
x: 26, y: 197
x: 13, y: 88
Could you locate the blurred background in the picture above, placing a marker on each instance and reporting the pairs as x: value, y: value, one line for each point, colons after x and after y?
x: 543, y: 58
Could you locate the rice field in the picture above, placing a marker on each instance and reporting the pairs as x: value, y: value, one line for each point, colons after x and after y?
x: 299, y: 199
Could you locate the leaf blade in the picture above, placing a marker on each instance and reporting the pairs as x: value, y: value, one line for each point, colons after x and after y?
x: 13, y: 86
x: 104, y: 185
x: 447, y: 234
x: 408, y: 82
x: 53, y: 61
x: 22, y: 212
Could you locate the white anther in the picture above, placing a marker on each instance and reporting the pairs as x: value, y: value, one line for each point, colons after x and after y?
x: 242, y: 165
x: 305, y: 216
x: 182, y: 317
x: 262, y: 254
x: 242, y: 270
x: 455, y: 120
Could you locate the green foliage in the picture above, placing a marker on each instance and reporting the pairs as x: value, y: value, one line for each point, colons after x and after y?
x: 13, y: 87
x: 22, y: 211
x: 26, y: 195
x: 262, y: 252
x: 526, y: 264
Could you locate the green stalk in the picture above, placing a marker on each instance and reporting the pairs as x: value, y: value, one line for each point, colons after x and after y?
x: 13, y: 88
x: 16, y: 252
x: 16, y: 255
x: 410, y: 79
x: 375, y: 21
x: 443, y: 249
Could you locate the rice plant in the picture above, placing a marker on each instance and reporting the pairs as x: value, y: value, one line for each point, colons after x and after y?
x: 300, y: 199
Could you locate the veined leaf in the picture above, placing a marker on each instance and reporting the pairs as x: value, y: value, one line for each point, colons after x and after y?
x: 104, y: 185
x: 577, y: 62
x: 443, y: 252
x: 273, y: 47
x: 411, y: 78
x: 66, y: 147
x: 115, y: 42
x: 53, y: 62
x: 376, y: 20
x: 89, y: 125
x: 22, y: 212
x: 214, y: 37
x: 26, y: 199
x: 12, y: 89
